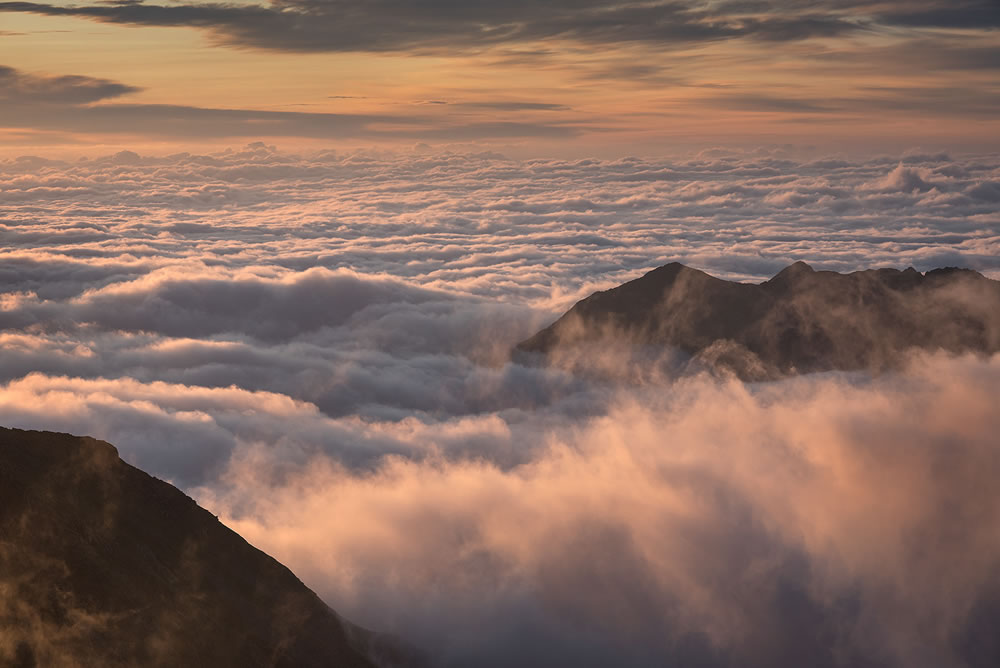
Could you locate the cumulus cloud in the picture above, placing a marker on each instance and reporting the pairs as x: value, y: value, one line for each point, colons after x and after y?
x: 318, y: 347
x: 813, y: 521
x: 906, y: 180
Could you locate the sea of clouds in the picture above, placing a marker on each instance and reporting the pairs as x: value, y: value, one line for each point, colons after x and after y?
x: 318, y: 348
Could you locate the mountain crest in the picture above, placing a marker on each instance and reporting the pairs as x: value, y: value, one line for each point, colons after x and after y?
x: 801, y: 320
x: 792, y: 272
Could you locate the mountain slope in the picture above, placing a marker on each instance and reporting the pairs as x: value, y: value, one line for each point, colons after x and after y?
x: 104, y: 565
x: 799, y: 321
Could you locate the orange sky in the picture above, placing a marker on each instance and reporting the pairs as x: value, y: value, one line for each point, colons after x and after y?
x: 590, y: 78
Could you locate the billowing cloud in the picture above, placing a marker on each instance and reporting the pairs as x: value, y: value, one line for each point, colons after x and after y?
x: 815, y: 521
x: 318, y: 347
x: 827, y: 520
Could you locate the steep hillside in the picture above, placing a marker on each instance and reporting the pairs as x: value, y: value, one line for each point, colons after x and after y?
x: 104, y: 565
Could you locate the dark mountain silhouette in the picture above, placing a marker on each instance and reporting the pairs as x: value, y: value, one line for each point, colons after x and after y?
x: 104, y: 565
x: 800, y: 321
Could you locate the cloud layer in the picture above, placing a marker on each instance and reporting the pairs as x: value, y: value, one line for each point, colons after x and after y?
x: 811, y: 522
x: 318, y: 348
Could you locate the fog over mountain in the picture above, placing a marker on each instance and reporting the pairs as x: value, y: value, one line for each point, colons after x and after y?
x: 318, y: 349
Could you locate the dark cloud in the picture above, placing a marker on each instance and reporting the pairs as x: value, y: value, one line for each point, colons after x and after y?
x: 392, y: 25
x: 967, y: 14
x: 395, y: 25
x: 19, y: 88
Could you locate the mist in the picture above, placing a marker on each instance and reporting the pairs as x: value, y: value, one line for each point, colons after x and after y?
x: 821, y: 520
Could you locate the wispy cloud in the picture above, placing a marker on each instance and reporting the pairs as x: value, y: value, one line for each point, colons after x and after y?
x: 66, y: 103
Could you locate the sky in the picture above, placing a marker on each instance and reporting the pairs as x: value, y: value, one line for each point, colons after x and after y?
x: 279, y: 256
x: 536, y: 79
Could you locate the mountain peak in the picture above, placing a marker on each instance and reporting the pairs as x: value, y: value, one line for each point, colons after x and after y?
x: 670, y: 269
x: 801, y: 320
x: 792, y: 272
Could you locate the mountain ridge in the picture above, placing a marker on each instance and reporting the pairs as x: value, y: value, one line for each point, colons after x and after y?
x: 799, y: 321
x: 103, y: 564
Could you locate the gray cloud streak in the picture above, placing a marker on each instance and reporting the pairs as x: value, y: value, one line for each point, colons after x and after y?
x: 393, y: 25
x: 390, y: 25
x: 19, y: 88
x: 64, y: 103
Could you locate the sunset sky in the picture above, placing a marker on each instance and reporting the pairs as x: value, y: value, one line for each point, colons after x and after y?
x: 564, y: 77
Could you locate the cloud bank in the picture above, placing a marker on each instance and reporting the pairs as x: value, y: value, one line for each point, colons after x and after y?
x: 318, y: 348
